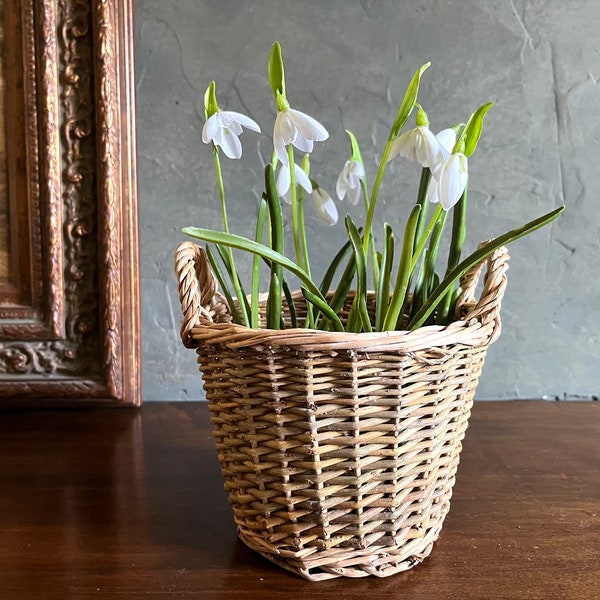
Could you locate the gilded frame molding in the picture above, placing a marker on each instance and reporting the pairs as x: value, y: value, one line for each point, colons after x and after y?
x: 70, y: 330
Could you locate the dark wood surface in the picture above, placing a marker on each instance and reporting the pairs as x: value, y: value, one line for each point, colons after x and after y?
x: 125, y: 503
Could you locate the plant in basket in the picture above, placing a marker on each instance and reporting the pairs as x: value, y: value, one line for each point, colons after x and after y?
x: 339, y: 409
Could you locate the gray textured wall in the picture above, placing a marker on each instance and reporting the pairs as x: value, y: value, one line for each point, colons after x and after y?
x: 347, y: 64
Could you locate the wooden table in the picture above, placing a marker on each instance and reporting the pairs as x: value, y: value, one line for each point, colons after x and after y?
x: 129, y: 504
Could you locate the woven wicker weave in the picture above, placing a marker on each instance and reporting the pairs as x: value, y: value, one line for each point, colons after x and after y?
x: 339, y: 451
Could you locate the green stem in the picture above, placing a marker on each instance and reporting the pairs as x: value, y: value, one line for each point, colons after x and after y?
x: 404, y: 271
x: 372, y: 249
x: 295, y: 217
x: 383, y: 285
x: 375, y: 193
x: 423, y: 201
x: 309, y: 323
x: 303, y: 230
x: 434, y: 219
x: 459, y: 232
x: 234, y: 275
x: 277, y: 236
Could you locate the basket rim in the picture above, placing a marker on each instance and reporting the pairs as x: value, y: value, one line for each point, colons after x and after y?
x: 470, y: 332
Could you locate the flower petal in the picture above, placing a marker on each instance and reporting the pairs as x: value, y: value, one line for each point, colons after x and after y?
x: 303, y: 144
x: 452, y: 180
x: 243, y: 120
x: 210, y: 128
x: 432, y: 191
x: 354, y: 195
x: 302, y: 179
x: 324, y: 206
x: 278, y: 140
x: 230, y: 143
x: 288, y: 130
x: 341, y: 185
x: 447, y: 138
x: 283, y: 180
x: 427, y: 148
x: 356, y: 170
x: 310, y: 128
x: 400, y: 145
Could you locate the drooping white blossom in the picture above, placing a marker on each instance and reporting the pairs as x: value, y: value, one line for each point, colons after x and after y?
x: 349, y: 181
x: 447, y: 139
x: 419, y: 145
x: 324, y: 206
x: 224, y: 128
x: 284, y: 181
x: 451, y: 178
x: 296, y: 128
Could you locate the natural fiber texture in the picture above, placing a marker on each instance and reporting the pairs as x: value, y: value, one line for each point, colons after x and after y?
x: 339, y: 450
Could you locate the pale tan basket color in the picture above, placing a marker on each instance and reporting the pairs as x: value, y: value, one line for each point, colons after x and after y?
x: 339, y: 450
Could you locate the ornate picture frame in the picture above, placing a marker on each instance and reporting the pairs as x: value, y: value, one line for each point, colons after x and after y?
x: 69, y: 303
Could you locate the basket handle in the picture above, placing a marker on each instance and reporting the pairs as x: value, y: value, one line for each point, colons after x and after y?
x: 197, y: 288
x: 486, y: 309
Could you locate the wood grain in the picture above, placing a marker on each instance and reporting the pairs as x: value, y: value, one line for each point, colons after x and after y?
x: 129, y: 504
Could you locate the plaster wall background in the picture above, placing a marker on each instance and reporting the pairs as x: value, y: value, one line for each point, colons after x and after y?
x: 348, y: 63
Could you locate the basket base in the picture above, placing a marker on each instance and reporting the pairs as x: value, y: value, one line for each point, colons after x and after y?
x: 325, y: 564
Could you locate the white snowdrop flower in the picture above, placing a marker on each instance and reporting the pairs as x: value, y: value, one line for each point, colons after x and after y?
x: 349, y: 181
x: 324, y: 206
x: 419, y: 145
x: 451, y: 178
x: 296, y: 128
x: 224, y: 128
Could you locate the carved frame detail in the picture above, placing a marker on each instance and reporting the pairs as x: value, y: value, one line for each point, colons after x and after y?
x: 72, y: 335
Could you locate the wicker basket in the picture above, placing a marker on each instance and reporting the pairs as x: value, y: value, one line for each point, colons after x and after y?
x: 339, y: 451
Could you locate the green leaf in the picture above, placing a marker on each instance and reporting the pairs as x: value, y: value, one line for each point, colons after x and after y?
x: 320, y: 304
x: 277, y: 240
x: 434, y: 246
x: 404, y: 272
x: 343, y: 287
x: 383, y: 287
x: 474, y: 259
x: 227, y: 259
x: 275, y: 213
x: 423, y: 201
x: 237, y: 284
x: 472, y: 131
x: 274, y: 302
x: 420, y: 288
x: 255, y: 291
x: 276, y: 72
x: 223, y: 283
x: 210, y: 100
x: 354, y: 147
x: 290, y: 302
x: 410, y: 99
x: 333, y: 267
x: 459, y: 234
x: 361, y: 271
x: 242, y: 243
